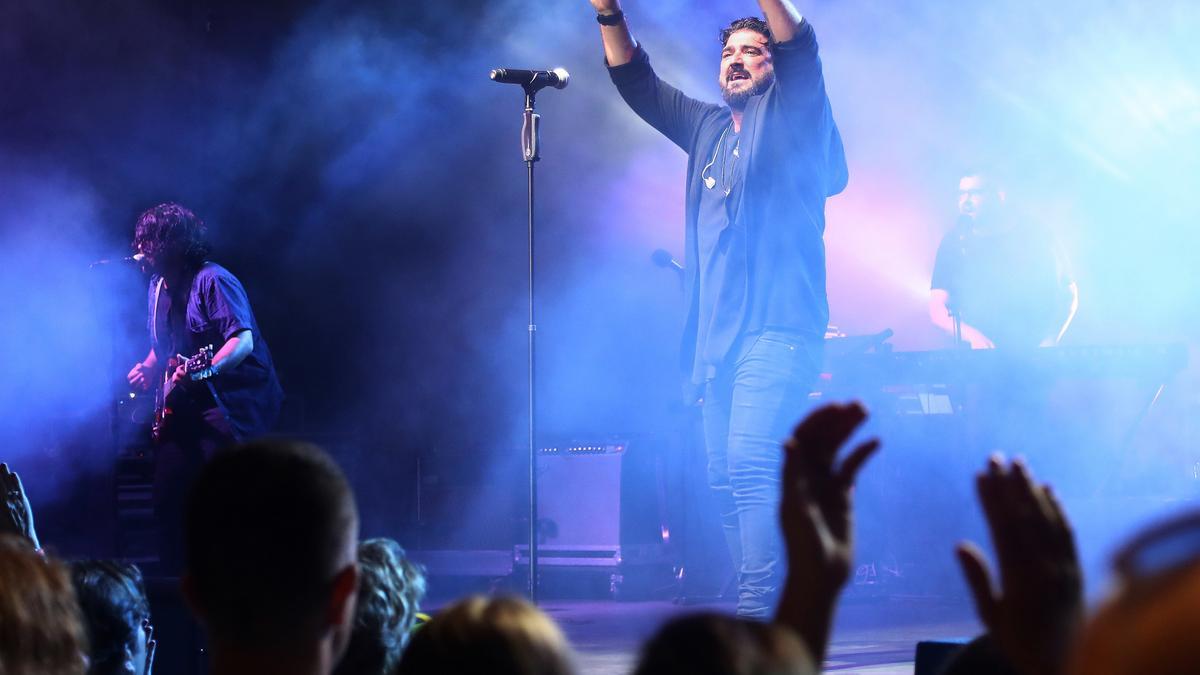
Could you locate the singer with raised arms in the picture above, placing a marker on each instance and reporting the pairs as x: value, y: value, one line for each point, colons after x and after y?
x: 759, y: 169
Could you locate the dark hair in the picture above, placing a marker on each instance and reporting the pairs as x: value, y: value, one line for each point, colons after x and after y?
x: 714, y: 644
x: 747, y: 23
x: 40, y: 629
x: 171, y: 227
x: 267, y: 524
x: 489, y: 636
x: 390, y: 587
x: 112, y: 598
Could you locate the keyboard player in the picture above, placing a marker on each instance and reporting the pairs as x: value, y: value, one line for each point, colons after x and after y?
x: 999, y: 281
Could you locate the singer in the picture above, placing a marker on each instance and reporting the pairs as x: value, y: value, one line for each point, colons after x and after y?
x: 236, y: 396
x: 759, y: 170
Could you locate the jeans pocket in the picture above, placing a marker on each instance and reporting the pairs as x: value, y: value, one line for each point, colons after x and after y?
x: 771, y: 341
x: 799, y: 355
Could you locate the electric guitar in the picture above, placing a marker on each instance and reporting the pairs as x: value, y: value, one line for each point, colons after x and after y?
x: 170, y: 395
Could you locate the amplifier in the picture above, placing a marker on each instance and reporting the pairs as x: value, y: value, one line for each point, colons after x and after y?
x: 601, y: 504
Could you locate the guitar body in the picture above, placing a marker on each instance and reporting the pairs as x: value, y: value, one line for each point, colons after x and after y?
x: 172, y: 396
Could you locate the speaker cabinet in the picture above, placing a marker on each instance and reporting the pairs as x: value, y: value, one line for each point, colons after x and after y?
x: 601, y: 505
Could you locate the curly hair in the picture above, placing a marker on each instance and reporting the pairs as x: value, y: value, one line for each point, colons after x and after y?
x: 172, y: 227
x: 390, y: 587
x: 112, y: 597
x: 747, y: 23
x: 42, y: 632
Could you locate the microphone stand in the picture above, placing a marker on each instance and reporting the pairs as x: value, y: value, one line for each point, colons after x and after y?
x: 957, y: 321
x: 530, y: 149
x: 531, y: 81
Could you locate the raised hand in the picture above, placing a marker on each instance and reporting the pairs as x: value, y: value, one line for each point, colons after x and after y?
x: 817, y: 517
x: 151, y: 647
x: 1038, y: 606
x: 17, y: 517
x: 619, y: 45
x: 606, y: 6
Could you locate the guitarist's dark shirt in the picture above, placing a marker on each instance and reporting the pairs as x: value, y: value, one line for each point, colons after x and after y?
x: 213, y: 309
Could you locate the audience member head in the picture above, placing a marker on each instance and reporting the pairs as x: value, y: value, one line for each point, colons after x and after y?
x: 1148, y: 626
x: 112, y: 599
x: 485, y: 636
x: 390, y: 588
x: 271, y: 529
x: 40, y: 629
x: 715, y: 644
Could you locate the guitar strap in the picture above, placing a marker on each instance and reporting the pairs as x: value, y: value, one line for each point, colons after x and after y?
x: 154, y: 315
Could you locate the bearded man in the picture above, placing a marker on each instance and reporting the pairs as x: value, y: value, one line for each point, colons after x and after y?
x: 760, y: 168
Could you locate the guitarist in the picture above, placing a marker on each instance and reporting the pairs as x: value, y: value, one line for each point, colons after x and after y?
x: 194, y: 303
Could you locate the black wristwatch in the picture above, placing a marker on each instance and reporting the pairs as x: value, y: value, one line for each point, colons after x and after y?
x: 610, y: 19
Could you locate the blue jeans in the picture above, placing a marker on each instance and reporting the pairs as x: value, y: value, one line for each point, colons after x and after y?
x: 750, y: 407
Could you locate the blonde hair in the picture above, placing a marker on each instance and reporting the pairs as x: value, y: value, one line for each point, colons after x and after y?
x: 42, y: 630
x: 496, y: 636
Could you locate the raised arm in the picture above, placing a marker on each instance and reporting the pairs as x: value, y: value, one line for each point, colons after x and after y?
x: 17, y: 516
x: 817, y: 517
x: 670, y: 111
x: 1035, y: 609
x: 782, y: 17
x: 801, y: 103
x: 619, y: 44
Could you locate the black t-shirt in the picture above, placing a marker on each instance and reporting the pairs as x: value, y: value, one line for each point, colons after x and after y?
x: 213, y: 309
x: 1009, y: 285
x: 722, y: 293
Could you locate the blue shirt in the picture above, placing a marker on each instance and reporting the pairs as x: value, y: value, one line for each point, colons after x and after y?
x: 214, y: 309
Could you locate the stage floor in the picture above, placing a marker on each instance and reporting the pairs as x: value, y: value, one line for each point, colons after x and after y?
x: 875, y: 635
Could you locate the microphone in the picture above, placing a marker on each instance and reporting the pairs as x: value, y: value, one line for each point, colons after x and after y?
x: 662, y: 258
x: 535, y: 79
x: 135, y: 259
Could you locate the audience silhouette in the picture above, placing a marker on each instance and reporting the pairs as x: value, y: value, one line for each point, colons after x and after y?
x: 277, y: 578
